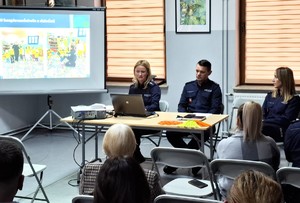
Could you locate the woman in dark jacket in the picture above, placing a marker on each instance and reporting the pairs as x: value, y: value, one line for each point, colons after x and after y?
x: 281, y: 106
x: 143, y: 84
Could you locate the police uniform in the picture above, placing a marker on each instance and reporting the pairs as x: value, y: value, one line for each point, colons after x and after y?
x: 292, y: 154
x: 151, y: 97
x: 204, y: 98
x: 278, y: 115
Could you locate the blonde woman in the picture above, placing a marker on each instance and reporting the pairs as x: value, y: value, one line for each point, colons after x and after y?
x: 254, y: 187
x: 118, y: 141
x: 143, y: 84
x: 281, y: 106
x: 248, y: 142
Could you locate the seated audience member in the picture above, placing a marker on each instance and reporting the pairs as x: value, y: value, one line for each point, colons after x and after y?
x: 248, y: 142
x: 118, y: 141
x: 121, y: 180
x: 254, y: 187
x: 292, y: 154
x: 198, y: 96
x: 281, y: 106
x: 11, y: 167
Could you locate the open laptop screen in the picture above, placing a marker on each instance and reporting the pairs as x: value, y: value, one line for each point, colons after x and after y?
x: 129, y: 105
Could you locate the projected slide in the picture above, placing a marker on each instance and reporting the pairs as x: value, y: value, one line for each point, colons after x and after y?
x: 36, y: 46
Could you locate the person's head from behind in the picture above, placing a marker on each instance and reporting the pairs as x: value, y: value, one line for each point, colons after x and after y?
x: 11, y: 167
x: 142, y: 73
x: 284, y: 81
x: 119, y: 141
x: 121, y: 180
x: 203, y: 70
x: 254, y: 187
x: 249, y: 120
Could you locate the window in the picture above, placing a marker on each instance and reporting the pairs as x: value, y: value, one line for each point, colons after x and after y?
x: 135, y: 30
x: 269, y: 38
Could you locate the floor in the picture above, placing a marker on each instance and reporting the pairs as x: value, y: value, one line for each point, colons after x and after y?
x: 60, y: 151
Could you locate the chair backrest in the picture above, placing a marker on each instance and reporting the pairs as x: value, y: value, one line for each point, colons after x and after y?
x: 178, y: 157
x: 29, y: 169
x: 15, y: 140
x: 181, y: 158
x: 289, y: 175
x: 83, y: 199
x: 182, y: 199
x: 237, y: 102
x: 231, y: 168
x: 164, y: 105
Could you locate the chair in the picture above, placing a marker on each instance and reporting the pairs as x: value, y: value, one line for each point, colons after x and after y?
x: 83, y: 199
x: 289, y: 175
x: 231, y: 168
x: 30, y: 170
x: 164, y: 106
x: 183, y: 158
x: 237, y: 102
x: 181, y: 199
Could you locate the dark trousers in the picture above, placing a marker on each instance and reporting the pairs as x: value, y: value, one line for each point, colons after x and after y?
x: 274, y: 131
x: 291, y: 194
x: 176, y: 139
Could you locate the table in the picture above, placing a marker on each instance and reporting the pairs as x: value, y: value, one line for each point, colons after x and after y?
x: 147, y: 123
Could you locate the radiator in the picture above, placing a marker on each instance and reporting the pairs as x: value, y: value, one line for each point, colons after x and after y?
x: 259, y: 98
x: 237, y: 100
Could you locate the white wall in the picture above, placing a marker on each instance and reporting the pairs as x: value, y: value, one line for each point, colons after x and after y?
x: 183, y: 51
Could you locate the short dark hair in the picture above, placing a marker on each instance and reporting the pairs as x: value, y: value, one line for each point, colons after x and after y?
x: 121, y: 180
x: 205, y: 63
x: 11, y: 161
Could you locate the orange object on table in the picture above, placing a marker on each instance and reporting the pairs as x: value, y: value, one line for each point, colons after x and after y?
x: 169, y: 122
x: 202, y: 124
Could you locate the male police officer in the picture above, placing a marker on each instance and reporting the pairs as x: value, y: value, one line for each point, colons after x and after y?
x: 198, y: 96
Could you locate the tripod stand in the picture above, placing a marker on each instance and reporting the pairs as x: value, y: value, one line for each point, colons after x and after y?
x: 51, y: 113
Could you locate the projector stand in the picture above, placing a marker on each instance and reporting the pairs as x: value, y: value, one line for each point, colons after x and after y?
x: 51, y: 127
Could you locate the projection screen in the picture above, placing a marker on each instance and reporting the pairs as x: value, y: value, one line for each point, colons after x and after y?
x: 52, y: 50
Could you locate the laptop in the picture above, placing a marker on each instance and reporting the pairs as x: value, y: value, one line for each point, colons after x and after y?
x: 129, y: 105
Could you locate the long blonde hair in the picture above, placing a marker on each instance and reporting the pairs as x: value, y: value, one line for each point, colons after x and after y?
x: 255, y: 187
x: 119, y: 141
x: 249, y: 119
x: 286, y: 77
x: 146, y: 64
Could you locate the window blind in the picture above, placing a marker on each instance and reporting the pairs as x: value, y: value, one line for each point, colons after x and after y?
x: 270, y: 35
x: 135, y: 30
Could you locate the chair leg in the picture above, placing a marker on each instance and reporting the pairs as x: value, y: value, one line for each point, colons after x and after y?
x: 38, y: 188
x: 153, y: 142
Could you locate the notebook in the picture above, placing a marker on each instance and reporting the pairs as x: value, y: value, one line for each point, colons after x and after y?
x: 129, y: 105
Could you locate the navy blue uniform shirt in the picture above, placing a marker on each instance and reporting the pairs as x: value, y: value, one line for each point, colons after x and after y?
x: 206, y: 98
x: 279, y: 113
x: 151, y: 95
x: 292, y: 144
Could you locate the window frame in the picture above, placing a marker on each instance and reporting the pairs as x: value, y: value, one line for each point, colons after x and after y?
x: 241, y: 52
x: 130, y: 69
